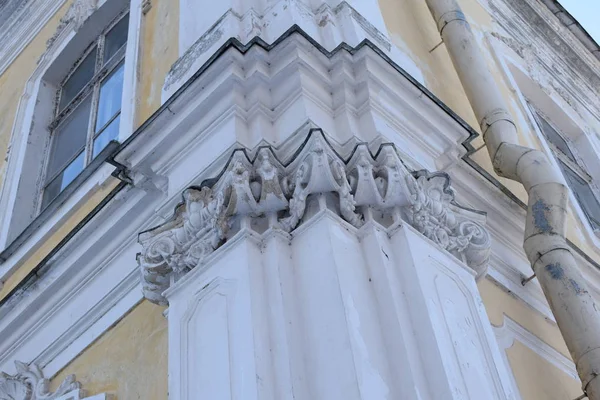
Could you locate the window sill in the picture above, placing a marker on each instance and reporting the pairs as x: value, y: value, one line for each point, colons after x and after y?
x: 55, y: 205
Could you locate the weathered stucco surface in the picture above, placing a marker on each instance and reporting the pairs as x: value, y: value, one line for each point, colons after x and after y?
x: 128, y: 361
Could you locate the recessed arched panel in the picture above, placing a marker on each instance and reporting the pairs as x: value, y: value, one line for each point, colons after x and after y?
x: 206, y: 341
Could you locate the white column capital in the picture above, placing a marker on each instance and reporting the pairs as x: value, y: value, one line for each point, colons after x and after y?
x: 261, y: 193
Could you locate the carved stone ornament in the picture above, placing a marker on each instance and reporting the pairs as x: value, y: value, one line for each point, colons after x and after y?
x: 262, y: 193
x: 30, y: 384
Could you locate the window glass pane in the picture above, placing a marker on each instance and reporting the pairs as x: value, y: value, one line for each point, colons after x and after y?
x: 80, y: 77
x: 109, y: 133
x: 116, y: 38
x: 69, y: 137
x: 110, y: 97
x: 585, y: 196
x: 556, y: 139
x: 63, y: 179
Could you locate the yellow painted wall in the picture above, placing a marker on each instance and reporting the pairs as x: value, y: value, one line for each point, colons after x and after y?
x: 128, y: 361
x: 537, y: 379
x: 412, y: 29
x: 159, y: 50
x: 158, y: 53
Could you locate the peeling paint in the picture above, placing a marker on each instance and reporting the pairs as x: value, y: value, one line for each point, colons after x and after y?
x: 556, y: 271
x: 578, y: 289
x: 206, y: 41
x: 539, y: 210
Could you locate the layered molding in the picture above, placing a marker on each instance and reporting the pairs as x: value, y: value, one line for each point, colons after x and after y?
x: 263, y: 194
x: 22, y: 26
x: 511, y: 331
x: 88, y: 284
x: 75, y: 16
x: 29, y: 384
x: 555, y: 57
x: 330, y: 23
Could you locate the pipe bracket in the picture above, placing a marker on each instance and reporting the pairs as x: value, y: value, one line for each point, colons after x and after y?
x: 448, y: 17
x: 493, y: 116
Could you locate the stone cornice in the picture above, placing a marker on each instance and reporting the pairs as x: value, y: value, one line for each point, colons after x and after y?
x: 23, y: 26
x: 263, y: 194
x: 550, y: 49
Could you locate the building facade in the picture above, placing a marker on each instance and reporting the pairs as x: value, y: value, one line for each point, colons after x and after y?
x: 298, y: 199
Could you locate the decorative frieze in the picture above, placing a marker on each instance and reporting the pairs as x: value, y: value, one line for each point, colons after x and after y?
x: 29, y: 384
x: 262, y: 193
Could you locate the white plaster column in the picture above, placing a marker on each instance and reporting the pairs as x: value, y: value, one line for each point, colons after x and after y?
x: 322, y: 315
x: 324, y: 278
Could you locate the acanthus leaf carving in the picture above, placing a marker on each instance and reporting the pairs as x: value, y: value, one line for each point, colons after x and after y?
x: 320, y: 170
x: 263, y: 187
x: 29, y: 384
x: 434, y: 213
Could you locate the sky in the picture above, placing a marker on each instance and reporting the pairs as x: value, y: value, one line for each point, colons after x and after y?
x: 587, y: 13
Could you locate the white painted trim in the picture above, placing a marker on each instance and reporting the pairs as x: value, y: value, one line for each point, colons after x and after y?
x: 20, y: 33
x: 130, y: 79
x: 98, y: 320
x: 553, y: 58
x: 76, y: 395
x: 511, y: 331
x: 20, y: 134
x: 92, y: 185
x: 502, y: 59
x: 92, y: 284
x: 21, y: 131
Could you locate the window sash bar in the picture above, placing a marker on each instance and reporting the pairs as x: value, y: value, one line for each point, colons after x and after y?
x: 100, y: 72
x: 50, y: 178
x: 106, y: 125
x: 96, y: 79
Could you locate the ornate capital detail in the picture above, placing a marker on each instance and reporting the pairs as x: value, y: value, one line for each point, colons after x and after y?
x: 263, y: 193
x: 29, y: 384
x: 435, y: 214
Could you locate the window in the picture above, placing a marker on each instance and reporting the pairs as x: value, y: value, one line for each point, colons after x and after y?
x: 88, y: 109
x: 578, y: 179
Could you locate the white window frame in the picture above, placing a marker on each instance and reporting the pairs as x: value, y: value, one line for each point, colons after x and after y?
x: 38, y: 97
x: 505, y: 57
x: 577, y: 167
x: 90, y: 90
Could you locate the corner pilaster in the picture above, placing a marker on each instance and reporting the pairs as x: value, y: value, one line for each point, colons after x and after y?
x: 291, y: 272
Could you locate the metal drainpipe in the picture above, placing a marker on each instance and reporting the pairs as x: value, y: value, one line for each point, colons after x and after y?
x: 545, y: 244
